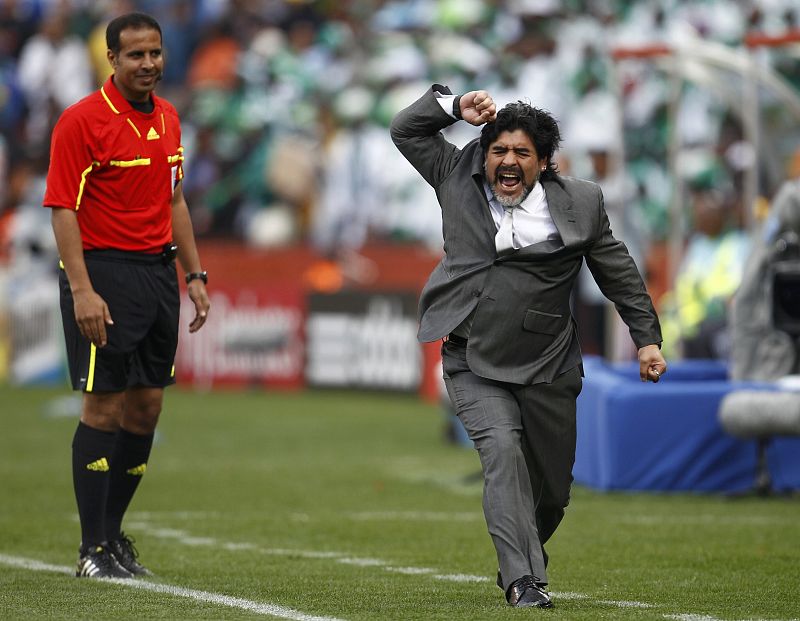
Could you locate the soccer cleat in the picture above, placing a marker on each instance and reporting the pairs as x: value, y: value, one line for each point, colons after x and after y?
x: 126, y: 554
x: 97, y: 562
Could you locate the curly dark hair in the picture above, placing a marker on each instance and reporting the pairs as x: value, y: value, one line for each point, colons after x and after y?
x: 137, y: 21
x: 540, y: 126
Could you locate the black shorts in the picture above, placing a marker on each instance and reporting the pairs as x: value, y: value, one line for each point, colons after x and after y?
x: 142, y: 295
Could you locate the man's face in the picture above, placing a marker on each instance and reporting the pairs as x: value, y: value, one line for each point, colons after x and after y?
x: 512, y: 167
x: 139, y: 64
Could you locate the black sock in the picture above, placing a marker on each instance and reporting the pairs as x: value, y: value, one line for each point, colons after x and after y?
x: 127, y: 467
x: 91, y: 464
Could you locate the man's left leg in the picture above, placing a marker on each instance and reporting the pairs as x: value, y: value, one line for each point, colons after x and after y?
x: 140, y: 417
x: 549, y: 429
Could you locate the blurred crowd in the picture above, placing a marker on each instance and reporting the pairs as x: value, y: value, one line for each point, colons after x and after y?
x: 286, y: 104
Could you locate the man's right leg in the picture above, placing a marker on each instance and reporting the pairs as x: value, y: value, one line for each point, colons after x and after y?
x: 92, y: 449
x: 491, y: 416
x: 135, y: 439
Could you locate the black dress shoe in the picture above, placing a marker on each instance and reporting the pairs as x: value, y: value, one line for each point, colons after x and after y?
x: 499, y: 582
x: 525, y: 593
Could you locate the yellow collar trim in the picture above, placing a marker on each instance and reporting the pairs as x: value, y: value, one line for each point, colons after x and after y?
x: 108, y: 101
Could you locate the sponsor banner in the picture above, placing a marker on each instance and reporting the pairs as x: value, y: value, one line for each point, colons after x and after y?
x: 35, y: 346
x: 253, y: 337
x: 363, y: 340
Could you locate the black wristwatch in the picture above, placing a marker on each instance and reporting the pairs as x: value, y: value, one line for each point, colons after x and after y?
x: 197, y: 275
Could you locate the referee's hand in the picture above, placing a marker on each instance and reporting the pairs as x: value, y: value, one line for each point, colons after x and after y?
x: 199, y: 296
x: 92, y: 316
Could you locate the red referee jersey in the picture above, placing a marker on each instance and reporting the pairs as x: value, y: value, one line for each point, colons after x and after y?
x: 117, y: 168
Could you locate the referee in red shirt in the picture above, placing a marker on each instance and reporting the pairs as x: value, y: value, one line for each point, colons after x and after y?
x: 120, y: 220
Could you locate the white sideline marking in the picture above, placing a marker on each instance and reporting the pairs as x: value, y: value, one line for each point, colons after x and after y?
x: 340, y: 557
x: 271, y: 610
x: 568, y: 595
x: 34, y: 565
x: 239, y: 547
x: 410, y: 571
x: 624, y: 604
x: 362, y: 562
x: 300, y: 553
x: 461, y: 578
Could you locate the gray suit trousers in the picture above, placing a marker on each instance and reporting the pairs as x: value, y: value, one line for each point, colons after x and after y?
x: 525, y: 437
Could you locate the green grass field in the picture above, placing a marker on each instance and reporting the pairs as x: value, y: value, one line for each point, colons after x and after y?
x: 328, y: 505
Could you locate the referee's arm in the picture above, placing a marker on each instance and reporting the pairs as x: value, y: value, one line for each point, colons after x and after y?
x: 91, y: 311
x: 183, y: 236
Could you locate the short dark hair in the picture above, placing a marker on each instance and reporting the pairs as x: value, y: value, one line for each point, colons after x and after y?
x: 137, y: 21
x: 540, y: 126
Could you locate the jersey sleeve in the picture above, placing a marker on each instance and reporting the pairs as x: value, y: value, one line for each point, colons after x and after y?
x: 71, y: 162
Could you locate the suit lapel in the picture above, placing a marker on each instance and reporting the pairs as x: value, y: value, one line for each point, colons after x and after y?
x: 478, y: 178
x: 562, y: 212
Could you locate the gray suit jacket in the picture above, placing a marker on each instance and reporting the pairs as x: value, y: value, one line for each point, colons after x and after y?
x: 522, y: 330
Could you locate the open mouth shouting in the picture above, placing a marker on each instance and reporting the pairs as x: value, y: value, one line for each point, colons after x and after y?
x: 509, y: 179
x: 509, y: 186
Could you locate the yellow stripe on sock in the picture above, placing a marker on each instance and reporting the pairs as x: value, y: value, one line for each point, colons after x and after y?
x: 137, y: 471
x: 101, y: 465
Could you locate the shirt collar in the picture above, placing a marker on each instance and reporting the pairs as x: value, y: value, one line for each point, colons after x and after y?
x: 115, y: 100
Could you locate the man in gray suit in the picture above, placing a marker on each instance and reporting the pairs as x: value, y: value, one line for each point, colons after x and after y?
x: 515, y: 236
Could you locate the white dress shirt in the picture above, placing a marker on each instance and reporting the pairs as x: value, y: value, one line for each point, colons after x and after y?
x: 532, y: 220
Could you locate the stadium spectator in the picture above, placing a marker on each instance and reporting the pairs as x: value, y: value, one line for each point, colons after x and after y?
x: 696, y: 310
x: 45, y: 59
x: 516, y: 233
x: 120, y: 219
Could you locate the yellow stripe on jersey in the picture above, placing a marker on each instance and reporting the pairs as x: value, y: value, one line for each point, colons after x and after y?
x: 142, y: 161
x: 134, y: 127
x: 108, y: 101
x: 84, y: 174
x: 179, y: 174
x: 90, y: 376
x: 163, y: 125
x: 172, y: 373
